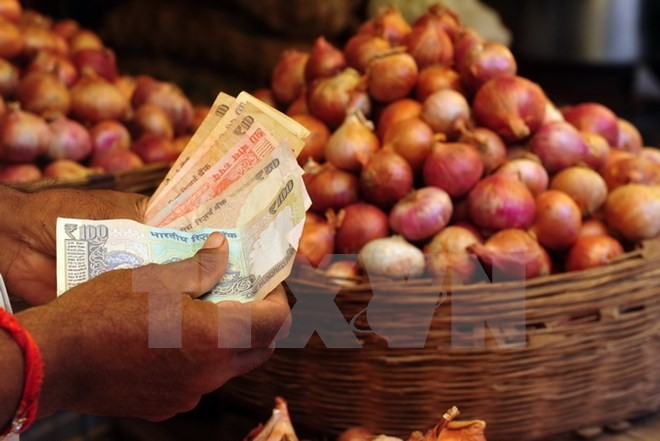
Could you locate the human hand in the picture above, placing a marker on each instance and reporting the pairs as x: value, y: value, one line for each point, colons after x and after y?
x: 27, y: 233
x: 95, y: 339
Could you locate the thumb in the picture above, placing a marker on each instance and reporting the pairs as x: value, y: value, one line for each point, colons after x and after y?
x: 200, y: 273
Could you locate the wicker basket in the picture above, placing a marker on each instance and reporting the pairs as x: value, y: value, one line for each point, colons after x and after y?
x: 589, y: 355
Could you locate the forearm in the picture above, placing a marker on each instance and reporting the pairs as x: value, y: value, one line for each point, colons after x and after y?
x: 13, y: 204
x: 11, y: 378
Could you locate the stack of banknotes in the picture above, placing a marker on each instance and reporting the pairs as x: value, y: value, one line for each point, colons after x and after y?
x: 237, y: 175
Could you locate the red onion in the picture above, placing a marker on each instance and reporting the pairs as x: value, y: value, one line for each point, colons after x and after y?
x: 528, y: 171
x: 421, y: 214
x: 587, y: 188
x: 317, y: 241
x: 94, y: 99
x: 489, y: 144
x: 263, y: 94
x: 552, y: 113
x: 360, y: 49
x: 11, y: 40
x: 411, y: 138
x: 447, y: 112
x: 325, y: 60
x: 513, y: 253
x: 32, y: 17
x: 447, y: 254
x: 117, y: 161
x: 109, y: 135
x: 559, y: 145
x: 153, y: 148
x: 429, y: 45
x: 436, y: 77
x: 330, y: 187
x: 558, y: 220
x: 391, y: 76
x: 593, y: 251
x: 388, y: 23
x: 332, y: 99
x: 9, y: 75
x: 169, y: 97
x: 100, y: 60
x: 43, y: 93
x: 453, y: 167
x: 500, y: 201
x: 352, y: 144
x: 24, y: 136
x: 315, y: 142
x: 19, y: 173
x: 385, y: 179
x: 127, y: 85
x: 630, y: 170
x: 465, y: 39
x: 630, y: 139
x: 69, y: 139
x: 396, y: 111
x: 150, y: 118
x: 484, y: 61
x: 442, y: 18
x: 594, y: 118
x: 598, y: 150
x: 593, y: 227
x: 298, y: 106
x: 633, y: 210
x: 288, y: 77
x: 358, y: 224
x: 59, y: 65
x: 512, y: 106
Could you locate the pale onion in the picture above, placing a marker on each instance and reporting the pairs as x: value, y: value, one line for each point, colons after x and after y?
x: 352, y: 144
x: 528, y: 171
x: 447, y: 111
x: 633, y: 211
x: 587, y: 188
x: 447, y: 254
x: 392, y: 257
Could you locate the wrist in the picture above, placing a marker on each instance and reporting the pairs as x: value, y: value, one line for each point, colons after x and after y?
x: 11, y: 382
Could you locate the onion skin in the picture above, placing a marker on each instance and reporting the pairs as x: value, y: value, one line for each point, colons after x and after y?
x: 593, y: 227
x: 153, y: 148
x: 421, y: 214
x: 24, y: 136
x: 360, y: 49
x: 325, y: 60
x: 651, y: 154
x: 330, y: 188
x: 454, y: 167
x: 37, y: 38
x: 512, y: 253
x: 447, y: 112
x: 68, y: 140
x: 109, y: 135
x: 150, y: 118
x: 630, y: 139
x: 594, y: 118
x: 593, y: 251
x: 447, y: 254
x: 19, y: 173
x: 411, y: 138
x: 84, y: 39
x: 429, y: 45
x: 117, y: 161
x: 101, y: 60
x: 489, y: 144
x: 358, y: 224
x: 11, y: 40
x: 94, y: 99
x: 500, y: 202
x: 67, y: 169
x: 391, y: 76
x: 558, y: 220
x: 633, y: 211
x: 352, y: 144
x: 396, y: 111
x: 319, y: 133
x: 436, y: 77
x: 391, y: 257
x: 43, y: 93
x: 169, y: 97
x: 59, y: 65
x: 559, y: 145
x: 598, y: 150
x: 630, y: 170
x: 485, y: 61
x: 510, y: 105
x: 584, y: 185
x: 288, y: 77
x: 9, y: 75
x: 332, y: 99
x: 385, y: 179
x: 388, y: 23
x: 317, y: 241
x: 529, y: 172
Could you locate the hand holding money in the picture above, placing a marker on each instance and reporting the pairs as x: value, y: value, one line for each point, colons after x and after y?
x: 238, y: 175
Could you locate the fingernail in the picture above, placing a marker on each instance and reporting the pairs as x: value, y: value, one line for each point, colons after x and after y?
x: 215, y: 240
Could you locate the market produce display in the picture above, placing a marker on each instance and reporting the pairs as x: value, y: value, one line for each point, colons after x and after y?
x: 426, y: 141
x: 66, y: 111
x: 280, y: 428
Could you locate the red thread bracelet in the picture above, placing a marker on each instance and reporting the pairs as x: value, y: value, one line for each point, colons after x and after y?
x: 33, y: 374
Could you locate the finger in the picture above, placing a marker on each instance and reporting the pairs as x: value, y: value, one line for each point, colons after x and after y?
x: 271, y: 318
x: 194, y: 276
x: 247, y: 361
